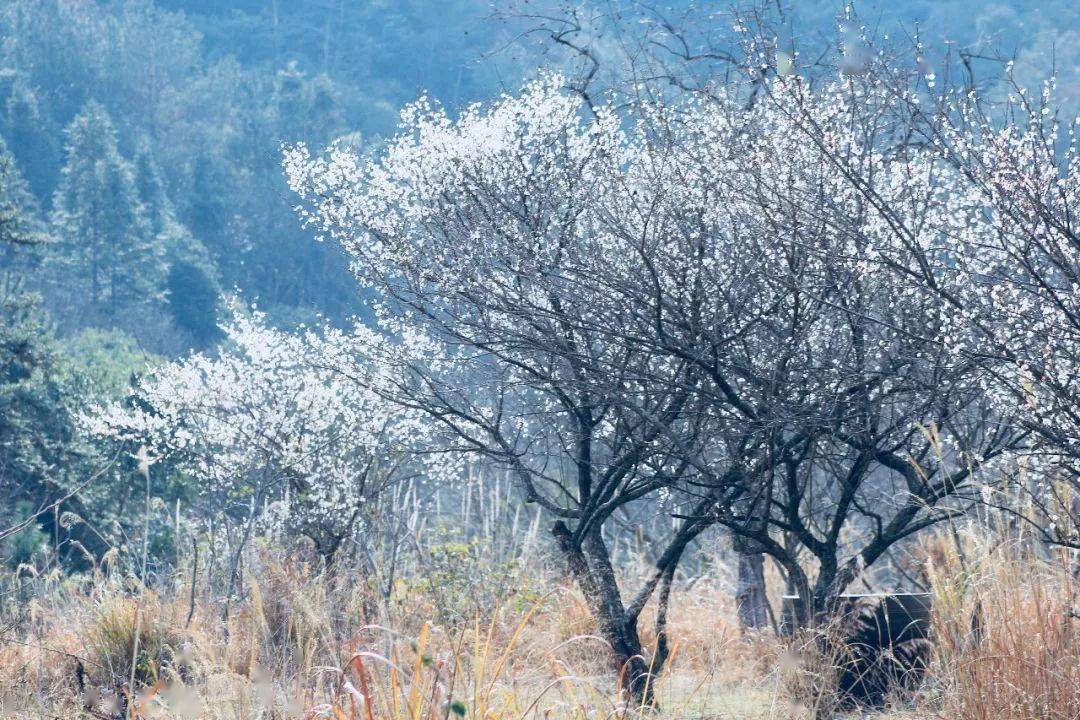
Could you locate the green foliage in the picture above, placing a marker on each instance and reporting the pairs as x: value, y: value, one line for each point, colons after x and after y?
x: 102, y: 362
x: 193, y: 302
x: 106, y: 254
x: 19, y: 212
x: 31, y: 132
x: 37, y: 447
x: 192, y: 291
x: 150, y: 186
x: 201, y: 96
x: 45, y: 455
x: 44, y: 384
x: 33, y: 421
x: 24, y: 546
x: 461, y: 580
x: 380, y: 54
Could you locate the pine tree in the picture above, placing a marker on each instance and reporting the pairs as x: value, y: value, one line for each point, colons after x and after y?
x: 31, y: 133
x: 19, y: 212
x: 108, y: 254
x: 151, y: 187
x: 43, y: 384
x: 33, y: 424
x: 192, y: 290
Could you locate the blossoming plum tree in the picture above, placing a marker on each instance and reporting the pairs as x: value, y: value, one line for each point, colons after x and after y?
x: 853, y: 423
x: 1015, y: 293
x: 484, y: 236
x: 275, y: 435
x: 730, y: 310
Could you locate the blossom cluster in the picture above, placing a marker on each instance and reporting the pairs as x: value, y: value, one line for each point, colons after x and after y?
x: 290, y: 421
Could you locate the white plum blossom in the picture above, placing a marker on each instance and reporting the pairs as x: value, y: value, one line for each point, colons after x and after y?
x: 291, y: 423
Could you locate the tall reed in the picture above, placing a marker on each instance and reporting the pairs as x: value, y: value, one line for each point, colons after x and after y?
x: 1007, y: 630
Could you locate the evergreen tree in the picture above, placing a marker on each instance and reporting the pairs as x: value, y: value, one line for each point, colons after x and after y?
x: 151, y: 188
x: 108, y: 254
x: 192, y: 290
x: 20, y: 222
x: 44, y: 384
x: 34, y: 426
x: 31, y: 134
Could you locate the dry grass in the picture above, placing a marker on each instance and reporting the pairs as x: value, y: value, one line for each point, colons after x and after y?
x: 304, y: 645
x: 1007, y: 623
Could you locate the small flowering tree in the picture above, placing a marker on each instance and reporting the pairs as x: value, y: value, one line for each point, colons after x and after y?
x: 906, y: 433
x: 978, y: 217
x: 277, y: 439
x: 760, y: 262
x: 485, y: 236
x: 716, y: 305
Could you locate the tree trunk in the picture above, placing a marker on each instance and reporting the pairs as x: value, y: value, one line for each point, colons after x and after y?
x: 798, y: 613
x: 750, y: 599
x: 595, y: 577
x: 751, y: 602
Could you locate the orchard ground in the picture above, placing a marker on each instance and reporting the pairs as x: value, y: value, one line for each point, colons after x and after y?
x: 510, y: 641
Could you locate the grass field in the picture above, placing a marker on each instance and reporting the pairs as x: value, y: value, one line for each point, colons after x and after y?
x: 301, y: 644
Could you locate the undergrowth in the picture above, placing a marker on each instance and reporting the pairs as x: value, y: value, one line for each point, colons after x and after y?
x: 303, y: 643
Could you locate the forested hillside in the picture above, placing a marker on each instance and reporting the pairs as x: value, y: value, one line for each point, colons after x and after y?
x: 181, y: 111
x: 142, y: 187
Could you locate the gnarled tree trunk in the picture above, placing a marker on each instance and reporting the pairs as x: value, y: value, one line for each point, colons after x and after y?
x: 751, y: 602
x: 590, y: 566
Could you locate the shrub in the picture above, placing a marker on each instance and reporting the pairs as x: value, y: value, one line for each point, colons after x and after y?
x: 126, y: 629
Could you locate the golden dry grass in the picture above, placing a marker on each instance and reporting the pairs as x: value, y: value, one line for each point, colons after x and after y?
x: 1007, y: 623
x: 301, y: 645
x: 305, y: 645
